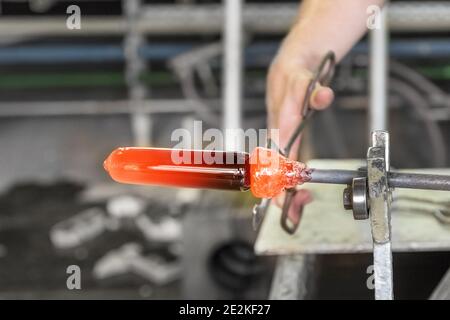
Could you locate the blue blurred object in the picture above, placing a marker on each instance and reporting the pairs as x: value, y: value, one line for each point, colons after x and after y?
x: 257, y: 54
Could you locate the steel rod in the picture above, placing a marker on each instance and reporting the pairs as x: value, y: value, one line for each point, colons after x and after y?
x: 232, y: 73
x: 406, y: 16
x: 334, y: 176
x: 396, y: 179
x: 419, y: 181
x: 378, y: 73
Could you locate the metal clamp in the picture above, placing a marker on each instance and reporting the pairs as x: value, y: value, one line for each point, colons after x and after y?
x: 371, y: 197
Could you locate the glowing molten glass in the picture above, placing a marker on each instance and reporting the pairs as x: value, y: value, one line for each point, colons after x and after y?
x: 265, y: 172
x: 179, y: 168
x: 271, y: 173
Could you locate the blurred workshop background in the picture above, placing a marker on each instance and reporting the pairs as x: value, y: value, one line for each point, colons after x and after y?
x: 134, y: 72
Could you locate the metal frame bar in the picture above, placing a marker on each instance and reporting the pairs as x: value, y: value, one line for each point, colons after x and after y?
x: 207, y: 19
x: 378, y: 161
x: 95, y: 107
x: 293, y: 278
x: 378, y: 73
x: 141, y: 123
x: 232, y: 90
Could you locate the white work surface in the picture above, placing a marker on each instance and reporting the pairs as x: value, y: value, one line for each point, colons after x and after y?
x: 327, y: 228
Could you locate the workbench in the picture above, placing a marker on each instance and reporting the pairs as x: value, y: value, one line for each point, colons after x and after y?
x: 326, y: 227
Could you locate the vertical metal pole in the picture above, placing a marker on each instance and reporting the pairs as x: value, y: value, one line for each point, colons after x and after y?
x: 378, y: 117
x: 232, y: 70
x: 378, y: 164
x: 140, y: 121
x: 293, y: 277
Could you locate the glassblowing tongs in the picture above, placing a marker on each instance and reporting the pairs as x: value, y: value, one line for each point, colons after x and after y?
x: 322, y: 76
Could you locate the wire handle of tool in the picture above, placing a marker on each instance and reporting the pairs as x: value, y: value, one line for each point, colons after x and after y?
x: 323, y: 76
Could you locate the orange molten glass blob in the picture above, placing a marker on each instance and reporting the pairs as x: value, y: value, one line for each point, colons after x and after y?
x: 271, y: 173
x: 265, y: 171
x: 179, y: 168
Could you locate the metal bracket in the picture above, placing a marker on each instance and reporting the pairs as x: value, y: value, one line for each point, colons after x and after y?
x: 371, y: 196
x: 379, y: 201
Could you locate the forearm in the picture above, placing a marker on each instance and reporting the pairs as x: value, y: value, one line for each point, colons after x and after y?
x: 324, y: 25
